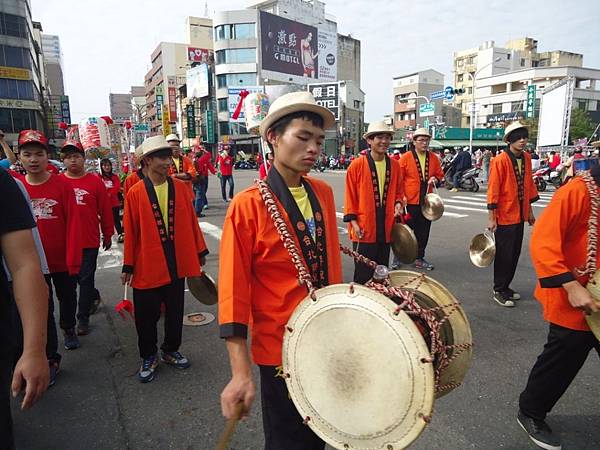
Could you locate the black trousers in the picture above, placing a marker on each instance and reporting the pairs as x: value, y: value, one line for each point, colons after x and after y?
x: 146, y: 304
x: 117, y: 219
x: 224, y: 180
x: 509, y: 240
x: 563, y: 356
x: 380, y: 253
x: 87, y: 284
x: 66, y: 292
x: 282, y: 423
x: 421, y: 226
x: 6, y: 431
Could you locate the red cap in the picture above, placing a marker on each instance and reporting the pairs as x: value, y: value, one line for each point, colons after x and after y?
x: 72, y: 143
x: 32, y: 137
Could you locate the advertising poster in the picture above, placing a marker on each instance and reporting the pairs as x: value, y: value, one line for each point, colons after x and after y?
x: 197, y: 81
x: 328, y: 96
x: 234, y: 99
x: 172, y: 97
x: 200, y: 55
x: 327, y: 56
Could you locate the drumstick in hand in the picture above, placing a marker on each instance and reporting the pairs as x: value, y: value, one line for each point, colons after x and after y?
x: 230, y: 427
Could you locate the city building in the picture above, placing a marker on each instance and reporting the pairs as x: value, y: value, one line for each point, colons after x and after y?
x: 502, y: 98
x: 488, y: 60
x: 138, y: 103
x: 199, y: 32
x: 411, y: 94
x: 120, y: 107
x: 22, y: 78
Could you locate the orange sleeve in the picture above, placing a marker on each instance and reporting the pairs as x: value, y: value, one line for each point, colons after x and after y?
x: 190, y: 170
x: 400, y: 182
x: 437, y: 169
x: 235, y: 269
x: 351, y: 195
x: 131, y: 228
x: 494, y: 183
x: 201, y: 246
x: 549, y: 233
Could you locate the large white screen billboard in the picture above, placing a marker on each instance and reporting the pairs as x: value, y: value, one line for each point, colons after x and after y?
x: 552, y: 116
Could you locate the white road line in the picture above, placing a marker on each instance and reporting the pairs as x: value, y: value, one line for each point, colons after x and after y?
x: 111, y: 258
x: 210, y: 229
x: 464, y: 202
x: 464, y: 208
x: 339, y: 215
x: 455, y: 215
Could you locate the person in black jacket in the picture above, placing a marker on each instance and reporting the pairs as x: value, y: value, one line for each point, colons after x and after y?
x: 461, y: 162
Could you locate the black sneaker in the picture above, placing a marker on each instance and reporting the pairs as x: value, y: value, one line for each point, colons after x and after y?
x: 54, y: 367
x: 503, y: 299
x: 175, y: 359
x: 513, y: 295
x: 539, y: 432
x: 146, y: 372
x: 71, y: 339
x: 83, y: 328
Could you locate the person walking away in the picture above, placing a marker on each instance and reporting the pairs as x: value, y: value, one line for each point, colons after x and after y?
x: 113, y: 186
x: 163, y: 246
x: 203, y: 167
x: 511, y: 193
x: 95, y: 213
x: 225, y: 164
x: 459, y: 165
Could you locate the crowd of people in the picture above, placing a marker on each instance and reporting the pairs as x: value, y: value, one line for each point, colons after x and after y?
x: 53, y: 225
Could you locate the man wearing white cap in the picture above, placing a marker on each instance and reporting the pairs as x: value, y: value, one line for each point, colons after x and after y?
x: 374, y: 195
x: 419, y: 172
x: 257, y: 278
x: 511, y: 191
x: 182, y: 167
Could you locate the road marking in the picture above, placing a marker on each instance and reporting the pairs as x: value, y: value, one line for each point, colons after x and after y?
x: 455, y: 215
x: 339, y: 215
x: 212, y: 230
x: 111, y: 258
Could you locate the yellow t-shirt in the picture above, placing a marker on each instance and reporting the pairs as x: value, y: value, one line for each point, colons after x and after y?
x: 301, y: 197
x: 422, y: 157
x: 520, y: 165
x: 162, y: 193
x: 380, y: 167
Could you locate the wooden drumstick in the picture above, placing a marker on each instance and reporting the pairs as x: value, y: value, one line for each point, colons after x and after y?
x: 230, y: 427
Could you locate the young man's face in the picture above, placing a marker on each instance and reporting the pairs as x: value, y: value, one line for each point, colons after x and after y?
x: 34, y: 158
x: 74, y: 162
x: 422, y: 143
x: 520, y: 144
x: 175, y: 148
x: 379, y: 143
x: 298, y: 147
x: 159, y: 164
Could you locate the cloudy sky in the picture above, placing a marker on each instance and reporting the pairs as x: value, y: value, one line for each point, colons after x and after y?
x: 107, y: 44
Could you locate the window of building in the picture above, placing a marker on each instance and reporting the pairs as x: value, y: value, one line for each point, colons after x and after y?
x: 582, y: 104
x: 223, y: 104
x: 236, y: 79
x: 516, y: 106
x: 497, y: 108
x: 15, y: 57
x: 236, y: 56
x: 459, y: 78
x: 244, y: 30
x: 15, y: 120
x: 356, y: 104
x: 223, y: 32
x: 522, y: 62
x: 223, y: 128
x: 508, y: 56
x: 11, y: 25
x: 470, y: 90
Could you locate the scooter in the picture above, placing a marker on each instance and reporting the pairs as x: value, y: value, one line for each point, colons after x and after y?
x: 538, y: 178
x: 467, y: 180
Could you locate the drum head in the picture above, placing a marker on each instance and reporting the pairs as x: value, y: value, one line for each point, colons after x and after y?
x: 355, y: 369
x: 455, y: 331
x: 593, y: 320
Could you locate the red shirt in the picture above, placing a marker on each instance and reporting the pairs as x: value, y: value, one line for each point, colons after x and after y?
x: 262, y: 171
x: 113, y: 186
x: 203, y: 165
x: 225, y: 165
x: 94, y: 210
x: 54, y: 206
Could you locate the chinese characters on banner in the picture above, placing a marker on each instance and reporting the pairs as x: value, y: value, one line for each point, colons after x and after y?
x: 191, y: 121
x: 159, y: 102
x: 328, y: 96
x: 200, y: 55
x: 172, y: 97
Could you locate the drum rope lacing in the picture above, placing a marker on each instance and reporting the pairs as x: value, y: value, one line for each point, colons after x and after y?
x: 439, y: 352
x: 592, y: 245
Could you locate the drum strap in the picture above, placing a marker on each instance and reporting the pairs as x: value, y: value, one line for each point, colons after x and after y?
x: 592, y: 246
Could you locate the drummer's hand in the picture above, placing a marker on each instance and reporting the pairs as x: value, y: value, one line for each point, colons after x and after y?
x: 531, y: 218
x: 357, y: 229
x: 399, y: 209
x: 580, y: 298
x: 240, y: 389
x: 126, y: 278
x: 432, y: 180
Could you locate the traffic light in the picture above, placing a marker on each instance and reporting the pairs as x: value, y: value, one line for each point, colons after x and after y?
x: 459, y: 91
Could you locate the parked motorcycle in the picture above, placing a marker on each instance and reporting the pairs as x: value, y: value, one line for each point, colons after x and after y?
x: 539, y: 178
x: 467, y: 182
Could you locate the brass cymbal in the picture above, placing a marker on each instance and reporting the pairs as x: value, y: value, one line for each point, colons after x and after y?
x: 482, y: 250
x: 593, y: 320
x: 203, y: 288
x: 404, y: 243
x: 433, y: 206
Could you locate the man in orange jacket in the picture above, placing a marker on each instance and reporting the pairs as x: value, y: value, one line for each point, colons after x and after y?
x: 257, y: 278
x: 374, y: 194
x: 564, y: 259
x: 163, y: 246
x: 419, y: 170
x: 511, y: 191
x: 182, y: 167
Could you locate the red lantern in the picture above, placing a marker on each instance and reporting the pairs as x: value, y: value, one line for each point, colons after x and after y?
x: 62, y: 125
x: 107, y: 119
x: 127, y: 124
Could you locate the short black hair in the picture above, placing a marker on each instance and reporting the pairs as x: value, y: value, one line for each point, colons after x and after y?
x: 69, y: 150
x: 281, y: 125
x: 518, y: 134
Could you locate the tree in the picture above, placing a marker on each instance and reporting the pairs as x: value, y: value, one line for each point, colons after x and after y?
x: 581, y: 125
x: 532, y: 127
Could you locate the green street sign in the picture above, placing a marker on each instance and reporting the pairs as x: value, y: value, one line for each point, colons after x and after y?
x: 426, y: 123
x: 530, y: 107
x: 191, y: 122
x: 426, y: 109
x: 209, y: 126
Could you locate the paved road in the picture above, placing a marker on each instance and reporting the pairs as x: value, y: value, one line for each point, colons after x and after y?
x: 98, y: 403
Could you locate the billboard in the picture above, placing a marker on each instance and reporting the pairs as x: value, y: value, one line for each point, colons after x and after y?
x: 196, y: 80
x: 554, y: 114
x: 200, y: 55
x: 327, y: 56
x: 289, y: 47
x: 327, y: 95
x: 234, y: 98
x: 172, y: 98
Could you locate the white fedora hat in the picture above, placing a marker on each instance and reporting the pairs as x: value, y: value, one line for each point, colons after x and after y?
x: 512, y: 127
x: 173, y: 137
x: 154, y: 144
x: 378, y: 127
x: 295, y: 102
x: 421, y: 132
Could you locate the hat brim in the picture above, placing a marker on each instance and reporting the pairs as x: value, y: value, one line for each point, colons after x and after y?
x: 38, y: 143
x: 421, y: 134
x: 326, y: 115
x: 373, y: 133
x: 154, y: 150
x: 71, y: 148
x: 506, y: 134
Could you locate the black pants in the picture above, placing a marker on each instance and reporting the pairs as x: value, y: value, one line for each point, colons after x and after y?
x: 226, y: 179
x: 380, y: 253
x: 6, y: 431
x: 87, y: 283
x: 282, y: 423
x: 421, y: 226
x: 563, y: 355
x: 117, y: 219
x: 147, y: 303
x: 65, y: 286
x: 509, y: 239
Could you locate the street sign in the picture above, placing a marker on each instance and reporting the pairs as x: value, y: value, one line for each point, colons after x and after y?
x: 191, y: 121
x: 426, y: 123
x: 426, y: 109
x: 436, y: 95
x: 210, y: 126
x: 530, y: 108
x: 449, y: 93
x: 141, y: 127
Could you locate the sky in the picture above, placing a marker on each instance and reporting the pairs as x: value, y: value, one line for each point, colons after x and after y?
x: 107, y: 44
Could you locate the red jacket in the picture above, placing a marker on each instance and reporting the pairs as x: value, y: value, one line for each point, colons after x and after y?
x: 57, y: 220
x: 204, y: 164
x: 94, y: 209
x: 262, y: 172
x: 225, y: 165
x: 113, y: 186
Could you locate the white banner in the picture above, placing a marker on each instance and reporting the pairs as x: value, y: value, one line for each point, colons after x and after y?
x: 234, y: 98
x: 327, y: 56
x: 197, y: 81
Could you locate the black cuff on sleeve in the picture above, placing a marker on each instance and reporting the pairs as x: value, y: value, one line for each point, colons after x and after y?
x: 350, y: 217
x: 492, y: 205
x: 534, y: 199
x: 233, y: 329
x: 556, y: 281
x: 203, y: 253
x: 127, y: 269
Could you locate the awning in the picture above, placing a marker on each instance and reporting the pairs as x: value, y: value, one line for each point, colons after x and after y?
x: 476, y: 143
x: 432, y: 144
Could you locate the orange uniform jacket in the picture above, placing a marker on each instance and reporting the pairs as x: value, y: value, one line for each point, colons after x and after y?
x: 363, y: 205
x: 132, y: 179
x: 503, y: 189
x: 256, y: 275
x: 415, y: 185
x: 186, y: 166
x: 157, y: 253
x: 558, y: 246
